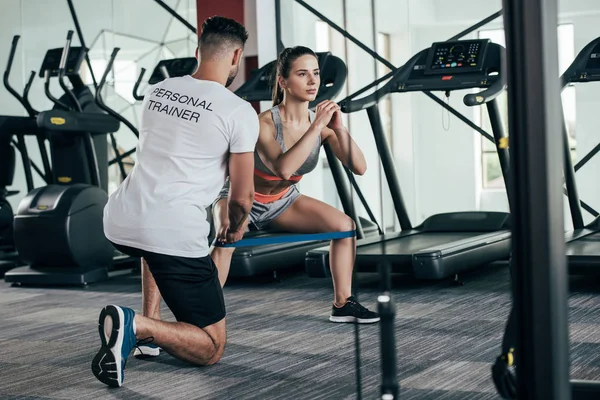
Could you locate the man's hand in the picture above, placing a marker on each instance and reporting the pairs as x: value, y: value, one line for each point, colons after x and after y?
x: 224, y: 235
x: 221, y: 234
x: 234, y: 236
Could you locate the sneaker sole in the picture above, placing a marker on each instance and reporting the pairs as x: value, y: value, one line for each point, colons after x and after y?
x: 354, y: 319
x: 111, y: 376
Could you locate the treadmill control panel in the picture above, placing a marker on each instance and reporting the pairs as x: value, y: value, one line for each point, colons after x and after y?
x: 52, y: 61
x: 456, y: 57
x: 594, y: 60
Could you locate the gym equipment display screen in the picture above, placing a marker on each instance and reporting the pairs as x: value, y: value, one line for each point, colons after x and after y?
x: 456, y: 57
x: 53, y: 57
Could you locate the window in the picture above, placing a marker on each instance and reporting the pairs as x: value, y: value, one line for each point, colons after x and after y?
x: 322, y: 37
x: 491, y: 171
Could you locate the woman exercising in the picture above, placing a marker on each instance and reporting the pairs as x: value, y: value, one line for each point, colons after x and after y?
x: 288, y: 147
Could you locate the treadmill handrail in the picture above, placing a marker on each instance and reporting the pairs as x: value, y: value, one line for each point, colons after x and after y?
x: 350, y: 106
x: 578, y: 62
x: 486, y: 95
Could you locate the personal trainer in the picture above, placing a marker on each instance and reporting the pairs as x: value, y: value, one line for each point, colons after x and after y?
x: 185, y: 152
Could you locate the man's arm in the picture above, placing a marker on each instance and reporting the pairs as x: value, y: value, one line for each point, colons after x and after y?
x: 241, y: 189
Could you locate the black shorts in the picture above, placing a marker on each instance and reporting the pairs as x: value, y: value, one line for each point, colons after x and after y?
x: 189, y: 286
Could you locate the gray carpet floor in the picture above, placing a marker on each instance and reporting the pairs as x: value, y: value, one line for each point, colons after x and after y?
x: 280, y: 342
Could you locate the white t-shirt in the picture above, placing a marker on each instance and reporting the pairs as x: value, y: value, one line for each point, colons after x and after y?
x: 188, y: 129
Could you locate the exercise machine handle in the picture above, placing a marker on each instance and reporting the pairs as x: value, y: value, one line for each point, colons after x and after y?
x: 62, y: 71
x: 137, y: 85
x: 49, y: 94
x: 100, y: 103
x: 349, y: 106
x: 486, y: 95
x: 29, y: 107
x: 11, y: 57
x: 399, y: 76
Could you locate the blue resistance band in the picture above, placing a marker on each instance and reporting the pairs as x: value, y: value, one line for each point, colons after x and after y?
x: 288, y: 239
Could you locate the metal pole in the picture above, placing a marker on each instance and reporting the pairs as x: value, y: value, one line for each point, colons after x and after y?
x: 387, y: 160
x: 587, y: 157
x: 538, y: 235
x: 380, y: 171
x: 502, y: 148
x: 279, y: 43
x: 176, y: 15
x: 81, y: 40
x: 343, y: 189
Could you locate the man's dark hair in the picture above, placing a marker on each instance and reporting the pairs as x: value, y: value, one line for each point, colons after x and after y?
x: 219, y: 34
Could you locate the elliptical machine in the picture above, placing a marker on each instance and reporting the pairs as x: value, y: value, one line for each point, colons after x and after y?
x: 58, y: 228
x: 7, y: 173
x: 16, y: 127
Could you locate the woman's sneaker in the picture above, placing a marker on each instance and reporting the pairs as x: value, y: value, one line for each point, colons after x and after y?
x: 117, y: 336
x: 353, y: 311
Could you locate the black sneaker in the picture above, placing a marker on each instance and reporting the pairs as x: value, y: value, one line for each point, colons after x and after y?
x: 352, y: 311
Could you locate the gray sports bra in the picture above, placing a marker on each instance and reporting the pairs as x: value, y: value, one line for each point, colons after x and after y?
x: 311, y: 161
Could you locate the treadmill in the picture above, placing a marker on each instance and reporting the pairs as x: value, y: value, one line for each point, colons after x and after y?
x: 256, y: 260
x: 446, y: 244
x: 583, y: 242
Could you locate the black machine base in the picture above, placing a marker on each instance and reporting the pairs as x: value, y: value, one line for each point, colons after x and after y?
x: 32, y: 276
x: 6, y: 266
x: 442, y: 247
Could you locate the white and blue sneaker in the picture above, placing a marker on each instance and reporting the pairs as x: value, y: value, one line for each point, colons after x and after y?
x: 117, y: 335
x: 144, y: 349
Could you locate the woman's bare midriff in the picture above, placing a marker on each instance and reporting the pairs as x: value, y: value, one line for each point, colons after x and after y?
x: 264, y: 186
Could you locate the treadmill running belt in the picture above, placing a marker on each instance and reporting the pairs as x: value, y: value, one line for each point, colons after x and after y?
x: 586, y: 246
x: 408, y: 245
x: 583, y: 255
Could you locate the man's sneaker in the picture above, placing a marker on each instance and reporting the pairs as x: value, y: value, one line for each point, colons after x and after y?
x: 145, y: 350
x: 115, y: 326
x: 352, y: 311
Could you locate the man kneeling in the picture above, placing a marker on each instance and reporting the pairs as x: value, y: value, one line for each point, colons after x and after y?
x: 158, y: 212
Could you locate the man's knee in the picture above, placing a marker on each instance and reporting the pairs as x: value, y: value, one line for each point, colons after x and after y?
x: 217, y: 335
x: 217, y: 355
